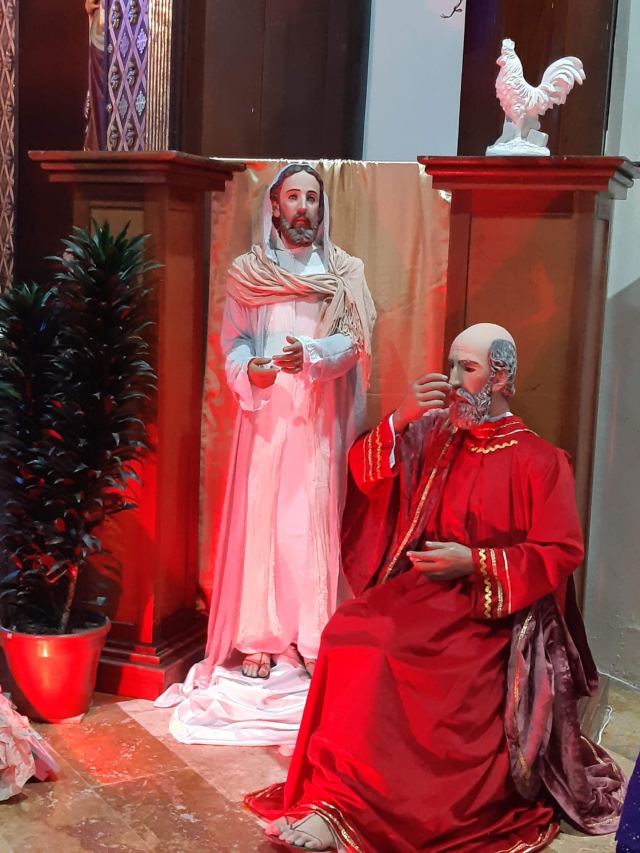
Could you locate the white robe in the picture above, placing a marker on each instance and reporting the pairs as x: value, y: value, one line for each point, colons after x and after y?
x: 288, y: 482
x: 277, y: 571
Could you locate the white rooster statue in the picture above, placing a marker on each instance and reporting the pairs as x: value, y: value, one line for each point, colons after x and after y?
x: 523, y: 103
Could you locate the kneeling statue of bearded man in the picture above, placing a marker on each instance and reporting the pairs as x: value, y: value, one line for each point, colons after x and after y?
x: 442, y: 713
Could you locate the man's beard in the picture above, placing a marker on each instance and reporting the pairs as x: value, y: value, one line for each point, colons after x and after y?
x: 470, y: 410
x: 302, y: 234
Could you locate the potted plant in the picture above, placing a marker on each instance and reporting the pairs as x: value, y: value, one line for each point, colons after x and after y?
x: 75, y: 389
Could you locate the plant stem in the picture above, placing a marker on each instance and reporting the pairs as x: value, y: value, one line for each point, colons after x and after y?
x: 71, y: 591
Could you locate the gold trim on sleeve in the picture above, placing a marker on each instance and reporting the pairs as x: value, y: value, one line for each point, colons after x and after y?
x: 378, y: 453
x: 482, y: 555
x: 494, y: 569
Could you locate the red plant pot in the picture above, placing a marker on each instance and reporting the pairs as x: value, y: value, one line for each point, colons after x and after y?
x: 53, y: 676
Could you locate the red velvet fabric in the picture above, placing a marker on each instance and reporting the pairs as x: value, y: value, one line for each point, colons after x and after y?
x: 402, y: 744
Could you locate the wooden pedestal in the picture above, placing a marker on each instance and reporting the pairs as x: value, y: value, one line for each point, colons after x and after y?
x: 156, y: 634
x: 528, y: 249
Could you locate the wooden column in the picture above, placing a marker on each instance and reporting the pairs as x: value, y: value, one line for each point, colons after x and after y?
x: 528, y: 249
x: 152, y: 569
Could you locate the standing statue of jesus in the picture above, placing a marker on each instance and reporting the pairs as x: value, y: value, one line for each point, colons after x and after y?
x: 296, y: 336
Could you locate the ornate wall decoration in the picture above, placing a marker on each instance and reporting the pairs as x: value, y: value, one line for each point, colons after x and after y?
x: 7, y: 139
x: 139, y: 91
x: 128, y: 49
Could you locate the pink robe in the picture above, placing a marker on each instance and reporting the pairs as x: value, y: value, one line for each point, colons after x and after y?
x: 287, y: 483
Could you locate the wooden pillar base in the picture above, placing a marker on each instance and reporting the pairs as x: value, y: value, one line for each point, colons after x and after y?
x: 145, y: 671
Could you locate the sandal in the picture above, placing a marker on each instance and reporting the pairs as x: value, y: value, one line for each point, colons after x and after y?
x: 262, y: 659
x: 289, y: 845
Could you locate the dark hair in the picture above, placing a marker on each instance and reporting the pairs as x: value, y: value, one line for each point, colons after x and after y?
x: 502, y: 356
x: 293, y: 169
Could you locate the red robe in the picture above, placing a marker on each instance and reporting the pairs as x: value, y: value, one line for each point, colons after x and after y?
x: 402, y: 745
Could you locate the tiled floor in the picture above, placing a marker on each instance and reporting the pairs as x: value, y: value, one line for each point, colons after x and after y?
x: 127, y: 785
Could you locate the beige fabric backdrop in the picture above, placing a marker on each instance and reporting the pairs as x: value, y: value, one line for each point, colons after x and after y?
x: 388, y: 215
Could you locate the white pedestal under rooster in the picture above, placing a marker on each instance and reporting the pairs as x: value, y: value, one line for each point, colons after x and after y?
x: 523, y: 104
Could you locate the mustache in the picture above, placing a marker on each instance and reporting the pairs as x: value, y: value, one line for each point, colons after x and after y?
x: 461, y: 396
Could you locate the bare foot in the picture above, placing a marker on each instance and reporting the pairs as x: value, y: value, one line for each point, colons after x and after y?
x: 257, y: 665
x: 309, y: 665
x: 309, y: 833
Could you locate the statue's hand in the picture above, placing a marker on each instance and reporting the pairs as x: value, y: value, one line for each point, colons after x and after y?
x: 443, y: 561
x: 91, y: 7
x: 260, y: 374
x: 427, y: 392
x: 292, y: 357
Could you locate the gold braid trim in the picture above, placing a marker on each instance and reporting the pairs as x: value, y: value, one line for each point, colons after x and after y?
x: 262, y: 792
x: 482, y: 554
x: 539, y: 844
x: 369, y: 456
x: 474, y: 448
x: 498, y: 435
x: 494, y: 569
x: 506, y: 569
x: 378, y: 452
x: 416, y: 516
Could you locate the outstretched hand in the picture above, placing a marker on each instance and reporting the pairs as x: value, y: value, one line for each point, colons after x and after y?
x: 292, y: 357
x: 443, y: 561
x: 260, y: 373
x: 428, y: 392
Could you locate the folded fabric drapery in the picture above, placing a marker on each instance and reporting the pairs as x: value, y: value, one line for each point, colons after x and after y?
x: 23, y: 753
x: 546, y: 676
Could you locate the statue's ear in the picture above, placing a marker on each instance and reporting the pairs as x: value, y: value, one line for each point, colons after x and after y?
x: 500, y: 380
x: 275, y: 208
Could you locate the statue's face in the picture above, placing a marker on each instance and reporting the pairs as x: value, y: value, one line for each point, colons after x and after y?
x: 471, y: 381
x: 298, y: 210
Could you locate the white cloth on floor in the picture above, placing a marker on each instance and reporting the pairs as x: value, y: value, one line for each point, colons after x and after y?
x: 237, y: 710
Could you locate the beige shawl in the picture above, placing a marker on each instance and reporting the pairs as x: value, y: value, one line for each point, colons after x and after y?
x: 254, y: 280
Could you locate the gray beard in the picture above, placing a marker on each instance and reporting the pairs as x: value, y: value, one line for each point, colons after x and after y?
x: 298, y: 236
x: 470, y: 410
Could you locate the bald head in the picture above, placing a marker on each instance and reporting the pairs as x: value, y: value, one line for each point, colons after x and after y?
x: 498, y: 347
x: 483, y: 370
x: 482, y: 335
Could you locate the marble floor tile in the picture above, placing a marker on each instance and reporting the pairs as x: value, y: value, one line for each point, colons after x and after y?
x: 622, y: 735
x: 566, y: 843
x: 56, y: 821
x: 108, y: 745
x: 228, y: 768
x: 179, y: 811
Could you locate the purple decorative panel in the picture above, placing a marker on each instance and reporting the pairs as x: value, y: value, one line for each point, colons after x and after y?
x: 7, y: 139
x: 128, y: 49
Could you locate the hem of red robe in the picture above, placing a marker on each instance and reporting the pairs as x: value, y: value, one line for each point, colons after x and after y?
x: 267, y: 803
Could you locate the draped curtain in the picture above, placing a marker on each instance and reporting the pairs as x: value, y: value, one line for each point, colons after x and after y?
x: 385, y: 213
